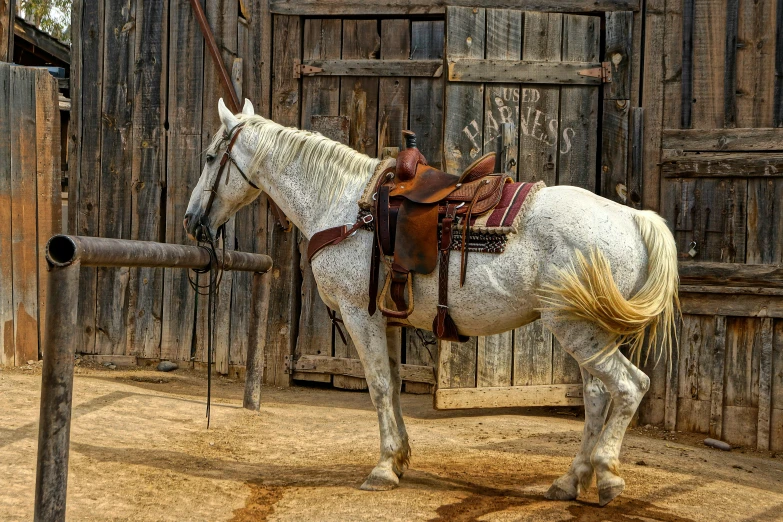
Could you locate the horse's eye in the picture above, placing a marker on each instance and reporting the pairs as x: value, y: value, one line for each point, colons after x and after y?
x: 211, y: 157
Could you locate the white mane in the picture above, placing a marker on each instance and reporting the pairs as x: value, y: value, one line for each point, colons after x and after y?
x: 327, y: 163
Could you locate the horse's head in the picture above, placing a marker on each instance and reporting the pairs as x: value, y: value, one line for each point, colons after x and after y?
x: 226, y: 185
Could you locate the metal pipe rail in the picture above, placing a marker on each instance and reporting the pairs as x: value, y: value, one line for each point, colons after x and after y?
x: 65, y: 255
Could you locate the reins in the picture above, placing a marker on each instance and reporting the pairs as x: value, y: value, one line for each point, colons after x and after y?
x: 215, y: 269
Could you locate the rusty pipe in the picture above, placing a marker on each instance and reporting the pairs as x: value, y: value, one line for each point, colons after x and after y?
x: 62, y: 250
x: 65, y: 255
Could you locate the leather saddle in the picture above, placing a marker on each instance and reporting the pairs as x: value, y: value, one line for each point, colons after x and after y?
x: 414, y: 204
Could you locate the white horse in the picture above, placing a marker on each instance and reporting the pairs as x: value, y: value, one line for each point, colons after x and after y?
x: 625, y: 284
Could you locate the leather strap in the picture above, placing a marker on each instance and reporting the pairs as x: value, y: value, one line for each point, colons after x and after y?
x: 443, y: 326
x: 383, y: 224
x: 333, y: 236
x: 400, y: 280
x: 280, y: 217
x: 375, y: 266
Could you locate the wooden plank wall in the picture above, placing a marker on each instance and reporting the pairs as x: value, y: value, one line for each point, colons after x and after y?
x: 555, y: 140
x: 146, y: 105
x: 710, y: 100
x: 29, y: 205
x: 368, y: 113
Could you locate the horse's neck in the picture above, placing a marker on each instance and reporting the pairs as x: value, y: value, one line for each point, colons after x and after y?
x: 301, y: 201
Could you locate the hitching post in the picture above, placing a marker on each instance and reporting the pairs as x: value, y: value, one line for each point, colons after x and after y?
x: 51, y: 483
x: 65, y: 255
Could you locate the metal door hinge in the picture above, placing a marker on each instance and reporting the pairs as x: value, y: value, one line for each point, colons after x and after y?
x: 604, y: 72
x: 574, y: 394
x: 301, y: 69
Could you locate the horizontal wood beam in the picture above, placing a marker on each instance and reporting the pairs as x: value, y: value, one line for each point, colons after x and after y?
x: 731, y: 274
x: 508, y: 396
x: 726, y: 164
x: 407, y: 7
x: 353, y: 368
x: 733, y: 290
x: 43, y: 41
x: 741, y: 306
x: 768, y: 139
x: 517, y: 71
x: 410, y: 68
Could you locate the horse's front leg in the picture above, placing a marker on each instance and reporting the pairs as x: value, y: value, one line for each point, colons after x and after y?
x: 395, y: 354
x: 369, y: 336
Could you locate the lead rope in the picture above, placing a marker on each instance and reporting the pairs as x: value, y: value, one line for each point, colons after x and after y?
x: 215, y: 271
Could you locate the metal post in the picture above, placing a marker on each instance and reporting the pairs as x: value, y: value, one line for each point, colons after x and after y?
x: 54, y: 429
x: 65, y: 255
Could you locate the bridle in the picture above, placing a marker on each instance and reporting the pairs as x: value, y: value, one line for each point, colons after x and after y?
x: 215, y: 269
x: 225, y: 160
x: 204, y: 235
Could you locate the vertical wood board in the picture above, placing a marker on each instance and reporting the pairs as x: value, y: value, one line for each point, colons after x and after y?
x: 282, y: 246
x: 539, y: 105
x: 579, y: 106
x: 183, y: 167
x: 114, y: 211
x: 24, y: 214
x: 89, y: 159
x: 501, y: 106
x: 359, y: 95
x: 755, y: 63
x: 49, y: 205
x: 320, y: 97
x: 148, y: 175
x: 463, y: 140
x: 709, y: 69
x: 426, y: 99
x: 6, y: 257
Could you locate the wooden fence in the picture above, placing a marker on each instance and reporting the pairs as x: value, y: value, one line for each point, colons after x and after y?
x: 713, y: 94
x: 30, y: 210
x: 690, y: 127
x: 144, y: 98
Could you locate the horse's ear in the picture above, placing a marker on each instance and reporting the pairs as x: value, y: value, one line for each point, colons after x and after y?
x: 248, y: 110
x: 226, y: 117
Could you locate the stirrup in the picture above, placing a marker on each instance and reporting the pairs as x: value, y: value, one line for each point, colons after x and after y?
x: 388, y: 312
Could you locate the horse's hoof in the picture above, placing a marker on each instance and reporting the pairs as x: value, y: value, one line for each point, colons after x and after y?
x: 607, y: 494
x: 381, y: 480
x: 557, y: 493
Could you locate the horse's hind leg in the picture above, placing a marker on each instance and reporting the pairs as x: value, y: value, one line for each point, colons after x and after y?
x: 625, y: 383
x: 580, y: 474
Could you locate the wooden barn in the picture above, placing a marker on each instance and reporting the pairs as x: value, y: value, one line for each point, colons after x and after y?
x: 670, y: 105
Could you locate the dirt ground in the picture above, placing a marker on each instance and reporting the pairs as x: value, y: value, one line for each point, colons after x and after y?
x: 140, y: 451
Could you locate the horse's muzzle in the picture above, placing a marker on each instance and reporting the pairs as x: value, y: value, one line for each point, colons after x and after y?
x: 191, y: 224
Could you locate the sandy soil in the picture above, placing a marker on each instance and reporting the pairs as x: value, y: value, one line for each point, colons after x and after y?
x: 141, y: 451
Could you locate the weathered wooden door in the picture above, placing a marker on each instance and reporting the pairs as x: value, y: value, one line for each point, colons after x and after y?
x: 363, y: 82
x: 721, y: 111
x: 543, y: 74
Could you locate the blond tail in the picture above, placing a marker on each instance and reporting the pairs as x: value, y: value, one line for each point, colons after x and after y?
x: 587, y: 290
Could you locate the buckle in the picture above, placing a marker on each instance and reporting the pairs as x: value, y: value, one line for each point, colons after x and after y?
x: 367, y: 221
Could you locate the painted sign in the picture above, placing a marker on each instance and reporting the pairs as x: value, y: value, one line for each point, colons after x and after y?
x: 518, y: 106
